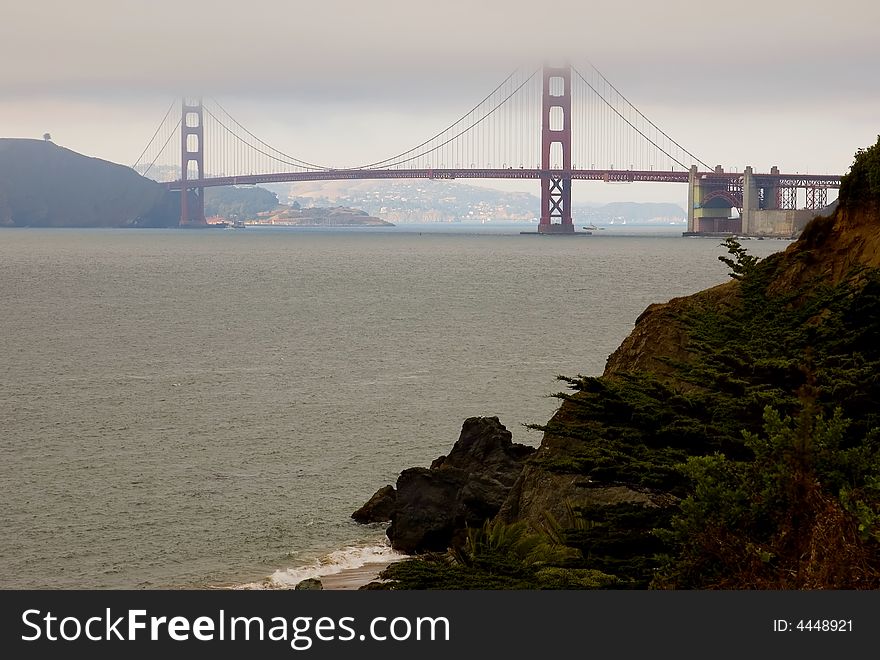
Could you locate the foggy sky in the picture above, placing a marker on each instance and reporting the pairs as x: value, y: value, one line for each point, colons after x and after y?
x: 793, y: 84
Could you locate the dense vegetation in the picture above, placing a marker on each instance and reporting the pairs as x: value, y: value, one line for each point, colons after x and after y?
x: 862, y: 184
x: 238, y: 203
x: 765, y: 441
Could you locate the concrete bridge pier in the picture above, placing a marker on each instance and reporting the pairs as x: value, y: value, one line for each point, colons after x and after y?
x: 750, y: 203
x: 692, y: 200
x: 770, y: 193
x: 710, y: 203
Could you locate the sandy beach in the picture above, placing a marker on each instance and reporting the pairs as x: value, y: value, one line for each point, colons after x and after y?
x: 353, y: 578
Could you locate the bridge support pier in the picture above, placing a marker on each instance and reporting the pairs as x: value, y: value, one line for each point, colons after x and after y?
x: 692, y: 199
x: 192, y: 150
x: 750, y: 202
x: 556, y: 151
x: 711, y: 200
x: 771, y: 192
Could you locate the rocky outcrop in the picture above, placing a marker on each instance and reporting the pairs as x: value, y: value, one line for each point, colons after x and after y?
x: 828, y: 250
x: 485, y: 447
x: 44, y: 185
x: 379, y: 508
x: 432, y: 507
x: 659, y: 336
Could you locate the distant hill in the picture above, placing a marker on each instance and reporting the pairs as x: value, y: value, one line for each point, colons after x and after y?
x: 633, y: 212
x: 44, y: 185
x: 338, y: 216
x: 239, y: 202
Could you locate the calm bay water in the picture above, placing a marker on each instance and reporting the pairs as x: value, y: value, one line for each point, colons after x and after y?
x: 191, y: 408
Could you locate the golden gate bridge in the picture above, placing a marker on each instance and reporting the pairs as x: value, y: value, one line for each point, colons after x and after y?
x: 553, y: 124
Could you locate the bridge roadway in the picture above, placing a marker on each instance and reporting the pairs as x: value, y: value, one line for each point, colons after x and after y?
x: 609, y: 176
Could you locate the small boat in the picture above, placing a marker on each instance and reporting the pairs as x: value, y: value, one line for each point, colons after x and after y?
x: 591, y: 227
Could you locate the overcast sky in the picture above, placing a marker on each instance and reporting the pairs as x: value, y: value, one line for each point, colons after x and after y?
x: 793, y: 84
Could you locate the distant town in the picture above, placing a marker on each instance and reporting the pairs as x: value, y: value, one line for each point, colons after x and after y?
x: 408, y: 201
x: 428, y: 201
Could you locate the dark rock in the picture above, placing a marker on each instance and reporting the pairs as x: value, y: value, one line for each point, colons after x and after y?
x: 433, y: 507
x: 379, y: 508
x: 485, y: 447
x: 428, y: 511
x: 436, y: 507
x: 309, y: 584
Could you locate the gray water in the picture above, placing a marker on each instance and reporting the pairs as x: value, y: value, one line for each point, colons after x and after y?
x: 194, y: 408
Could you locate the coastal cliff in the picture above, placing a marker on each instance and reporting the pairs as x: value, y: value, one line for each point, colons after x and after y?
x: 44, y: 185
x: 733, y: 440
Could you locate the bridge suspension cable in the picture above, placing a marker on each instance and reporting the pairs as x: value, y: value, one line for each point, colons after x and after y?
x: 502, y: 131
x: 167, y: 129
x: 273, y: 153
x: 678, y: 158
x: 390, y: 161
x: 447, y: 136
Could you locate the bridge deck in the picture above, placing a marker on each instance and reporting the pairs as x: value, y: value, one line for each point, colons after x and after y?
x: 610, y: 176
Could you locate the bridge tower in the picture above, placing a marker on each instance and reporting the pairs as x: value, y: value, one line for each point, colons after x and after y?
x: 556, y: 152
x: 192, y: 150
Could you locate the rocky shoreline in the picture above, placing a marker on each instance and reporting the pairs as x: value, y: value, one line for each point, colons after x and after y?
x: 431, y: 508
x: 653, y: 474
x: 349, y: 579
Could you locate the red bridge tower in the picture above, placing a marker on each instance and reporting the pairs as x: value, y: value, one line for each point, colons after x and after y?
x: 556, y: 130
x: 192, y: 198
